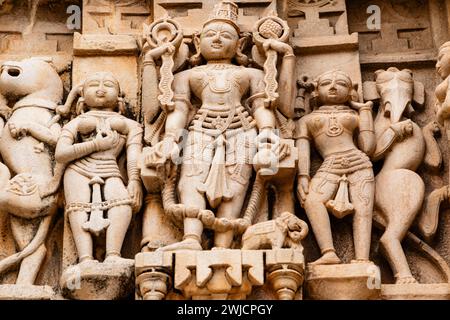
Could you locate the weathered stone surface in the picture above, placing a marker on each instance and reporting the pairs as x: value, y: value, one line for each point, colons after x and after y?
x: 99, y: 281
x: 26, y: 292
x: 415, y: 291
x: 357, y: 281
x: 184, y: 149
x: 115, y: 17
x: 192, y: 13
x: 94, y: 45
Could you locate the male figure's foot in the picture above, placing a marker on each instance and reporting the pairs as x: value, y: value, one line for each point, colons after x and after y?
x: 327, y: 258
x: 188, y: 244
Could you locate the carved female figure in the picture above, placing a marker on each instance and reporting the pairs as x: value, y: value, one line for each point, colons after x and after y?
x: 222, y: 139
x: 90, y: 145
x: 443, y: 69
x: 429, y: 219
x: 346, y: 170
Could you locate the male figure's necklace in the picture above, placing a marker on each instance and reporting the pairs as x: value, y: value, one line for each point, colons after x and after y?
x: 212, y: 80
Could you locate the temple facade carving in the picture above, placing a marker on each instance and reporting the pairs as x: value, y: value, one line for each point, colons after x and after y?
x: 246, y: 149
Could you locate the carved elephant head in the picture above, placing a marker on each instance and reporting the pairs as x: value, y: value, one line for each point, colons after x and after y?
x: 30, y: 76
x: 396, y: 91
x: 296, y: 228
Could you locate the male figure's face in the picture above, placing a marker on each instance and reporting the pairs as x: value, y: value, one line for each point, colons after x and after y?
x: 218, y: 40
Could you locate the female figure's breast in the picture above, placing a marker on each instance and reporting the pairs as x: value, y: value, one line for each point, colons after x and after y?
x: 333, y: 131
x: 441, y: 91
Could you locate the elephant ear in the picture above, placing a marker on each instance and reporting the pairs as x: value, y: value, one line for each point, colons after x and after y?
x: 370, y: 91
x: 419, y: 94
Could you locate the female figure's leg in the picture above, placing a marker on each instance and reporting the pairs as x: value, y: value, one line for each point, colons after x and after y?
x: 77, y: 190
x: 119, y: 216
x: 362, y: 194
x: 322, y: 188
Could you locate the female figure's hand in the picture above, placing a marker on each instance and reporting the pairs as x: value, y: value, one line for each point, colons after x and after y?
x: 18, y: 130
x: 106, y: 140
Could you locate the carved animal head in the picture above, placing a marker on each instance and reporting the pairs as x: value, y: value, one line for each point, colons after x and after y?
x: 296, y: 228
x: 397, y: 92
x: 33, y: 76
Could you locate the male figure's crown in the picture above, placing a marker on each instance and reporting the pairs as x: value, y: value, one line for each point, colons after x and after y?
x: 225, y: 11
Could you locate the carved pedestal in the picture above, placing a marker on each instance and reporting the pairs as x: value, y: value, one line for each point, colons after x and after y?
x: 285, y: 272
x: 356, y: 281
x: 99, y: 281
x: 415, y: 291
x: 153, y: 275
x: 26, y: 292
x: 219, y: 274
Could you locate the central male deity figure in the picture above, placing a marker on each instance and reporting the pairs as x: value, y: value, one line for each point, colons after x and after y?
x: 225, y: 133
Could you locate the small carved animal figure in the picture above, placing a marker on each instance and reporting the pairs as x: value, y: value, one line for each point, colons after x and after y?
x: 285, y: 231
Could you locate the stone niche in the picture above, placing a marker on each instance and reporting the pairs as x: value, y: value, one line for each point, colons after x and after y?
x: 141, y: 160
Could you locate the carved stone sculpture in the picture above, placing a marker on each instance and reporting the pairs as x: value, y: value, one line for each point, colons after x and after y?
x: 200, y: 140
x: 428, y: 221
x: 220, y: 146
x: 163, y: 41
x: 403, y: 145
x: 231, y: 134
x: 287, y: 230
x: 27, y: 146
x: 94, y: 185
x: 344, y: 184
